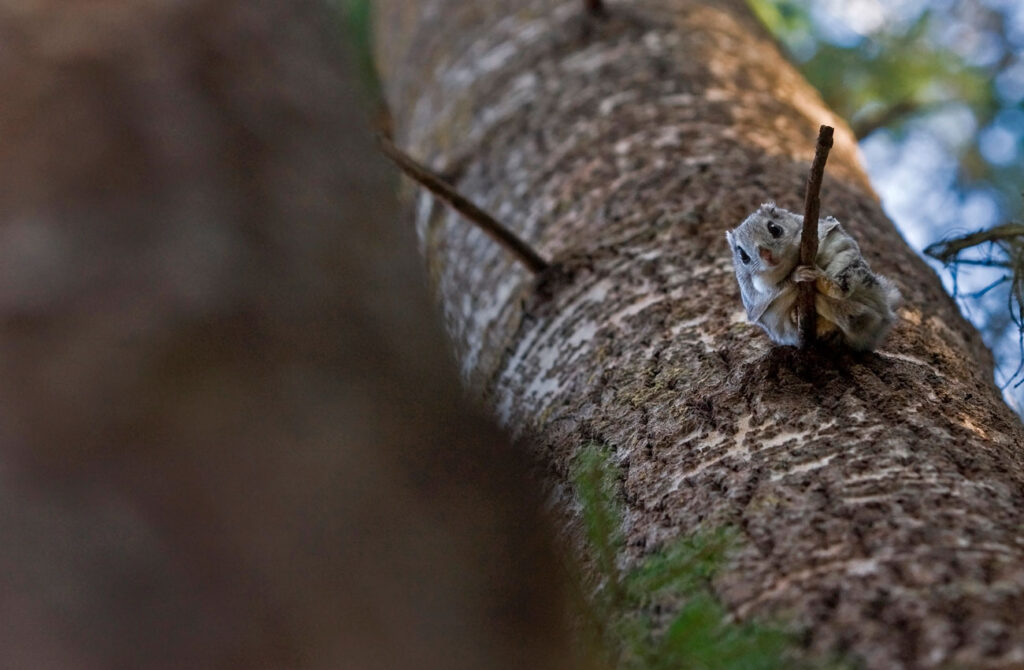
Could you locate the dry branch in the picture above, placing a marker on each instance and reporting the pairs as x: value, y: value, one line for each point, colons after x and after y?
x: 947, y: 251
x: 809, y: 241
x: 433, y: 182
x: 1006, y: 251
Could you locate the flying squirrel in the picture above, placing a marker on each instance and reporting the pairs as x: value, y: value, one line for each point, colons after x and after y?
x: 849, y: 299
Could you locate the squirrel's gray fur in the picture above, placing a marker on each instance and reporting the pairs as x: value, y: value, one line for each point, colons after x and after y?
x: 850, y: 298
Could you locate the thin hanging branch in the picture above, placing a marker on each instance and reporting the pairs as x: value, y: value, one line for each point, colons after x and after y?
x: 806, y: 314
x: 1000, y: 247
x: 430, y: 180
x: 1005, y: 250
x: 948, y: 251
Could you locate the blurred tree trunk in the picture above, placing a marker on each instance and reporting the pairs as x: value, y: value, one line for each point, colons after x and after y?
x: 881, y: 496
x: 231, y: 434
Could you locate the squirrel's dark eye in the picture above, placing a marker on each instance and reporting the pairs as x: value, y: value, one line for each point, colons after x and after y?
x: 743, y: 255
x: 774, y: 229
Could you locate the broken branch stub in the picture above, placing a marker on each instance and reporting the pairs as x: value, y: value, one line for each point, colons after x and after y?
x: 433, y: 182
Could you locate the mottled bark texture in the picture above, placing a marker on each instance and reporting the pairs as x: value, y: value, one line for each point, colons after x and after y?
x: 880, y: 496
x: 230, y: 432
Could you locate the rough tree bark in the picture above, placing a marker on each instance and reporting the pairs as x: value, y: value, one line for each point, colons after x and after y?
x: 881, y: 496
x: 231, y: 436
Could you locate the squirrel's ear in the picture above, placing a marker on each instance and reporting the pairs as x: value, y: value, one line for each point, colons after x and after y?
x: 827, y: 225
x: 769, y: 206
x: 728, y: 237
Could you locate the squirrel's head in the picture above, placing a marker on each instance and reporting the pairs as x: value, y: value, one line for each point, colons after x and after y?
x: 766, y: 246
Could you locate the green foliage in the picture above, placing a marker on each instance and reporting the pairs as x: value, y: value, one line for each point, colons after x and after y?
x: 595, y: 484
x: 899, y: 80
x: 882, y: 81
x: 903, y: 75
x: 781, y: 18
x: 625, y: 610
x: 355, y: 17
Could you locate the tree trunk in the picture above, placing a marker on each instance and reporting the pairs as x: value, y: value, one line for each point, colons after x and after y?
x: 881, y: 496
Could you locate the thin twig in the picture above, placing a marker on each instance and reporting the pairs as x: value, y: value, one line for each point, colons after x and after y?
x: 1020, y: 349
x: 946, y: 251
x: 980, y: 262
x: 1006, y: 240
x: 896, y: 113
x: 806, y: 315
x: 982, y: 292
x: 522, y: 251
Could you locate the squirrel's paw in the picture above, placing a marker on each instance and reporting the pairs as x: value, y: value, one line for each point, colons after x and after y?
x: 806, y: 273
